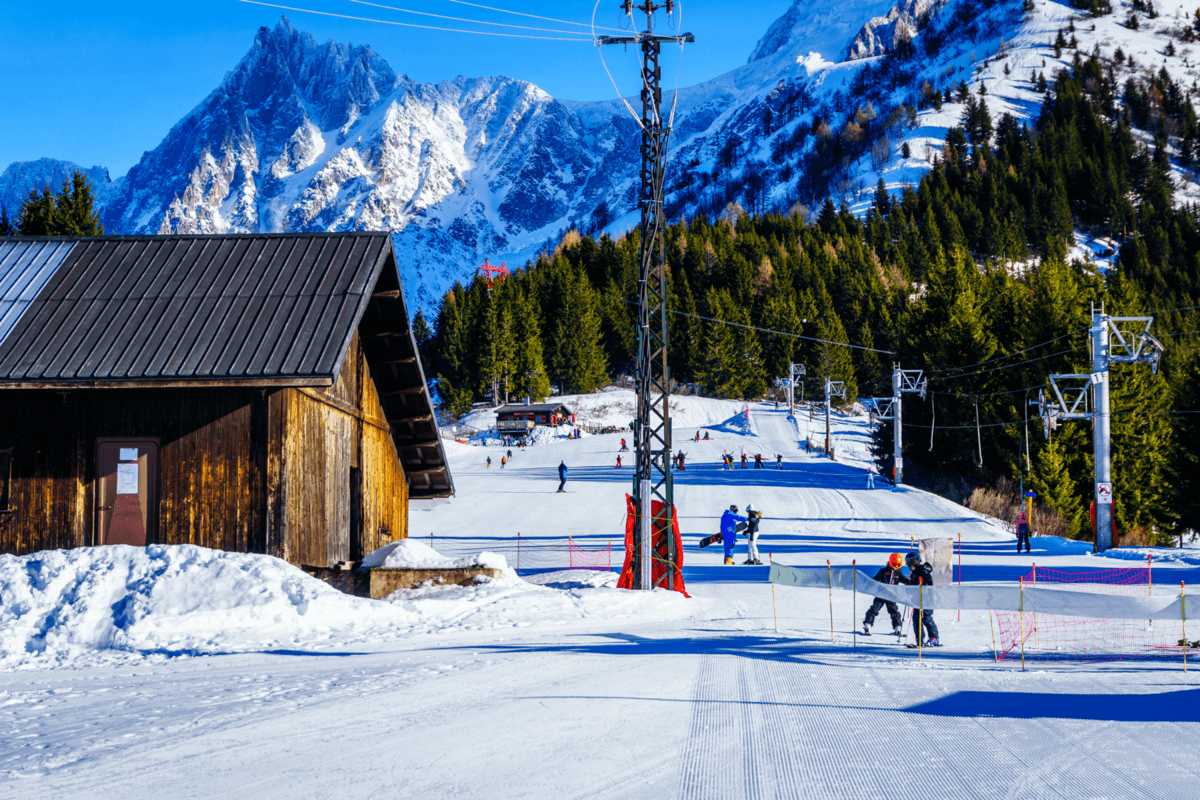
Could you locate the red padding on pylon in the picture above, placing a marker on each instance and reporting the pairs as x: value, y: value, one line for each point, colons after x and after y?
x: 659, y: 548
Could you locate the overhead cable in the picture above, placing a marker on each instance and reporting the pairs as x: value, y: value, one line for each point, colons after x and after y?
x: 409, y: 24
x: 531, y: 16
x: 465, y: 19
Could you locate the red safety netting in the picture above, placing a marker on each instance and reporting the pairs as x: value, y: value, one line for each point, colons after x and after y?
x: 533, y: 554
x: 1054, y: 638
x: 659, y: 533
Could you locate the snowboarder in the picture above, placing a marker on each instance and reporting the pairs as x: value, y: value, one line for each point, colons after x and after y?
x: 779, y: 461
x: 562, y: 476
x: 921, y: 574
x: 1023, y: 532
x: 729, y: 521
x: 743, y: 460
x: 870, y: 478
x: 706, y: 436
x: 752, y: 535
x: 489, y: 462
x: 618, y: 460
x: 623, y: 445
x: 891, y: 574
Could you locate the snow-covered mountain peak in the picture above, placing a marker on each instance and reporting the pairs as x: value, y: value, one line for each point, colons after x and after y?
x: 827, y: 27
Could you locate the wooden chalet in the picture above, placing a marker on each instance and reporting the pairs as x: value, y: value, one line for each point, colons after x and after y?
x: 258, y: 393
x: 519, y: 420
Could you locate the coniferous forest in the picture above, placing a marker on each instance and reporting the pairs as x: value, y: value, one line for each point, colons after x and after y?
x: 964, y: 276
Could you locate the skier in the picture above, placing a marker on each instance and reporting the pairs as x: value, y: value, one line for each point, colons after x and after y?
x: 779, y: 461
x: 1023, y: 532
x: 891, y: 574
x: 752, y: 535
x: 503, y: 461
x: 870, y: 478
x: 489, y: 462
x: 729, y: 521
x: 623, y: 446
x: 706, y: 436
x: 743, y: 460
x: 562, y: 476
x: 510, y: 455
x: 681, y: 457
x: 697, y: 436
x: 921, y: 574
x: 758, y: 461
x: 618, y: 460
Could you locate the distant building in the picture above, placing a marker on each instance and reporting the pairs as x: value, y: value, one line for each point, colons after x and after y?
x: 258, y: 394
x: 519, y: 420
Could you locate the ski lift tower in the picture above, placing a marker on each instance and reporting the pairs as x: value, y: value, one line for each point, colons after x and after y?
x: 491, y: 271
x: 652, y: 427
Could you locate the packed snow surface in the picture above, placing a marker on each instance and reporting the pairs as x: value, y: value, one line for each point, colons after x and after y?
x: 134, y: 672
x: 411, y: 553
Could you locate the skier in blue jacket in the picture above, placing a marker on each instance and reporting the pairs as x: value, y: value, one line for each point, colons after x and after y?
x: 729, y: 528
x: 562, y: 476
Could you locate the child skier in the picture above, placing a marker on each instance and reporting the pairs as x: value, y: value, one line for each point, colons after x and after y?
x: 489, y: 462
x: 758, y: 461
x: 618, y: 460
x: 1023, y: 532
x: 729, y: 521
x: 892, y: 574
x: 870, y: 477
x: 921, y: 574
x: 752, y: 535
x: 623, y: 445
x: 503, y: 461
x: 779, y: 461
x: 743, y: 460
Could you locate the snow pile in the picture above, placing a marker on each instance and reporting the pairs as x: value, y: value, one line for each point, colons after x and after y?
x: 412, y: 554
x: 739, y: 423
x: 63, y: 606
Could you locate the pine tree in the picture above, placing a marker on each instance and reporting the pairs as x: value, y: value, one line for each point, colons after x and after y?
x: 69, y: 213
x: 424, y: 337
x: 6, y: 226
x: 1051, y: 480
x: 719, y: 370
x: 529, y: 369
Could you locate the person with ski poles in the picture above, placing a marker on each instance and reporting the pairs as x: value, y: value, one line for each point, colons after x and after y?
x: 752, y: 523
x: 729, y: 528
x: 618, y: 460
x: 892, y: 575
x: 870, y: 478
x: 758, y: 464
x: 1023, y: 531
x: 779, y: 461
x: 562, y: 476
x: 920, y: 573
x: 743, y: 460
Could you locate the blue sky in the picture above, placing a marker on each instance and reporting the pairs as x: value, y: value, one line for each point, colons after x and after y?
x: 99, y: 83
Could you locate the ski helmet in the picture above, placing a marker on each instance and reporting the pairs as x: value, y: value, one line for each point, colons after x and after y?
x: 912, y: 559
x: 895, y: 561
x: 750, y: 508
x: 733, y: 509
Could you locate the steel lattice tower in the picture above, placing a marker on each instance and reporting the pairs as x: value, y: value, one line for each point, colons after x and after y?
x: 652, y: 428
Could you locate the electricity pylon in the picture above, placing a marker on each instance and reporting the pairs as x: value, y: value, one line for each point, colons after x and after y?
x: 1111, y: 344
x: 652, y: 478
x: 832, y: 389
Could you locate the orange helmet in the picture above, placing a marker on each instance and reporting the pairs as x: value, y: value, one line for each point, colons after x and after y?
x: 895, y: 561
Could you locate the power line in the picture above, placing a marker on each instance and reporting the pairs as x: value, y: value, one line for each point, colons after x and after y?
x: 464, y: 19
x: 1010, y: 366
x: 531, y: 16
x: 1009, y: 355
x: 408, y: 24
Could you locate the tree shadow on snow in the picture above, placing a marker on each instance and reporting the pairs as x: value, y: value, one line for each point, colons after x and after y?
x: 1178, y: 706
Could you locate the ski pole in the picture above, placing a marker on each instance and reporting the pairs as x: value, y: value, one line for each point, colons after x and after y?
x: 1022, y: 580
x: 1183, y: 610
x: 854, y: 607
x: 992, y: 625
x: 829, y: 574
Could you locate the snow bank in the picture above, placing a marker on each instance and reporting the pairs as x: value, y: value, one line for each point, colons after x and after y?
x: 63, y: 606
x: 412, y: 554
x: 740, y: 423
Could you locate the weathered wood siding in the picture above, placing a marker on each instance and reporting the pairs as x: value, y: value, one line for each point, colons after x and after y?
x: 212, y: 447
x: 328, y: 433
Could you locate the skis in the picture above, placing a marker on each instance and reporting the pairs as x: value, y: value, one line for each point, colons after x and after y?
x: 923, y: 644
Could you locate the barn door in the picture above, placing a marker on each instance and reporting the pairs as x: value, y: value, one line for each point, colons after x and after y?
x: 127, y: 491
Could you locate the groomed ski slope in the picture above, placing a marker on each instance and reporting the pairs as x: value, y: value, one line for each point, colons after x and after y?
x: 582, y: 691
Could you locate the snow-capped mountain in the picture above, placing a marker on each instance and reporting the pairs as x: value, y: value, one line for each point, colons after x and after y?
x: 303, y: 136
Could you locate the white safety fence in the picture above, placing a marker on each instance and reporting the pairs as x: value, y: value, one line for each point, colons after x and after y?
x: 1062, y: 602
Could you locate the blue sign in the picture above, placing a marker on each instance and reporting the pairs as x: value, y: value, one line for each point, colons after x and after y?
x: 1031, y: 493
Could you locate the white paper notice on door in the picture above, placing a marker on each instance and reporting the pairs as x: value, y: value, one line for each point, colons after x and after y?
x: 127, y: 478
x: 127, y: 454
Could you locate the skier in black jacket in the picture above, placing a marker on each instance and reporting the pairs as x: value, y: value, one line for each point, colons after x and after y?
x: 921, y: 574
x: 891, y: 574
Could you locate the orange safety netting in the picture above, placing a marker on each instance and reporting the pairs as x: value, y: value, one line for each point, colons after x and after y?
x: 660, y: 565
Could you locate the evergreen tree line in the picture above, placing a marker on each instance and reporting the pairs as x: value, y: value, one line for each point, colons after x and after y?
x: 68, y: 212
x: 965, y: 277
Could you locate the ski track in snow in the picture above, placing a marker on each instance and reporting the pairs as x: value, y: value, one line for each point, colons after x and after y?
x: 590, y: 692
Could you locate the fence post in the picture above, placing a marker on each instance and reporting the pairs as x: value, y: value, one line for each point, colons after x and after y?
x: 1035, y: 637
x: 921, y: 627
x: 518, y: 549
x: 570, y: 555
x: 1149, y: 585
x: 960, y: 577
x: 1183, y: 610
x: 829, y: 574
x: 1022, y: 580
x: 610, y: 556
x: 992, y: 625
x: 854, y: 606
x: 775, y: 614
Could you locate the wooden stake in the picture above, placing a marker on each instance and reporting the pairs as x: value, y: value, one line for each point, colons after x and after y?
x: 854, y: 606
x: 1183, y: 610
x: 992, y: 625
x: 1022, y: 624
x: 829, y: 574
x: 960, y: 577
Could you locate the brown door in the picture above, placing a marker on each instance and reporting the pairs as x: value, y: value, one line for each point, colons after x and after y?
x: 127, y: 490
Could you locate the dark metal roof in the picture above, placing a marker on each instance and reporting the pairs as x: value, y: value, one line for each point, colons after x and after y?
x: 536, y: 408
x: 258, y: 310
x: 194, y: 309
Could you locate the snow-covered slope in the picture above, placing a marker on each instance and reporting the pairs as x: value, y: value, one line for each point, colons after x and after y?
x: 304, y: 136
x: 22, y: 176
